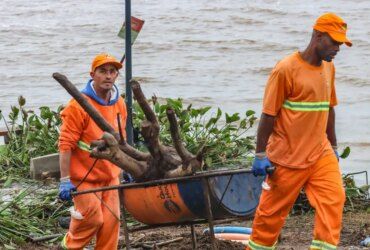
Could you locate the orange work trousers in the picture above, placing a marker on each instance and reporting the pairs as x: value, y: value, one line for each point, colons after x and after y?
x: 101, y: 215
x: 322, y: 183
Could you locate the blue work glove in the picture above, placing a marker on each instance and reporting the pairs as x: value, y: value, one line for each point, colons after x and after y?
x: 65, y: 189
x: 128, y: 178
x: 336, y: 154
x: 335, y: 148
x: 260, y: 164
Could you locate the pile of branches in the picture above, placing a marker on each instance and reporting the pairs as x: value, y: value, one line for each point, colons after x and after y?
x: 28, y: 212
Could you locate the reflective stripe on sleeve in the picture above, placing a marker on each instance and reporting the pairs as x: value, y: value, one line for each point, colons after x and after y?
x: 84, y: 146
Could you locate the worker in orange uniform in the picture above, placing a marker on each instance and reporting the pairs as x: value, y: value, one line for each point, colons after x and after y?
x: 296, y: 135
x: 95, y: 214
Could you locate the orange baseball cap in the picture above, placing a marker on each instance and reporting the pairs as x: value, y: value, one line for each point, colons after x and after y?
x: 103, y: 58
x: 334, y: 26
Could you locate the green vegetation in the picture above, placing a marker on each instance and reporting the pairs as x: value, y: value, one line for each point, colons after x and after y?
x: 30, y: 135
x: 358, y: 198
x: 27, y: 209
x: 2, y: 150
x: 30, y: 213
x: 227, y: 143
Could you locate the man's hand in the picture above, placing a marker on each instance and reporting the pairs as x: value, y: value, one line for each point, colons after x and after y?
x: 260, y: 164
x: 335, y: 148
x: 65, y: 189
x: 336, y: 154
x: 127, y: 177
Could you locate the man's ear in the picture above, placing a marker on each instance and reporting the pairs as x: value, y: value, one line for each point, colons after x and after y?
x: 319, y: 36
x: 92, y: 74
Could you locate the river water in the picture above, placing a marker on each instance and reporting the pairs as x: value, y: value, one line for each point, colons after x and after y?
x: 216, y: 53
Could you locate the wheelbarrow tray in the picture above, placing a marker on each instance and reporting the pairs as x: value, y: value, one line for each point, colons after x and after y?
x: 231, y: 194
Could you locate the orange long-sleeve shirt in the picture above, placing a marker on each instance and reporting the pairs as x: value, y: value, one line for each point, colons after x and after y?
x: 79, y: 129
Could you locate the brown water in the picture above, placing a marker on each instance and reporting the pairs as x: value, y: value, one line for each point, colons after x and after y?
x: 215, y: 53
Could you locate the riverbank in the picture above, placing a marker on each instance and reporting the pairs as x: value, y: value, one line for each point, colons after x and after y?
x: 34, y: 205
x: 296, y: 235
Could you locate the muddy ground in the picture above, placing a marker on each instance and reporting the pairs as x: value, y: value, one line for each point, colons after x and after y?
x: 296, y: 234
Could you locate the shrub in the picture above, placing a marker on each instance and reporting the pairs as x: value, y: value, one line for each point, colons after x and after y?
x: 227, y: 143
x: 30, y: 135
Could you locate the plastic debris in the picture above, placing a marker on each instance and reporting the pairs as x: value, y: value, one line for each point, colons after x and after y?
x: 229, y: 229
x: 365, y: 242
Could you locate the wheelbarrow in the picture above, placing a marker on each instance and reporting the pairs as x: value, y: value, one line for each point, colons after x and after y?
x: 190, y: 200
x: 231, y: 193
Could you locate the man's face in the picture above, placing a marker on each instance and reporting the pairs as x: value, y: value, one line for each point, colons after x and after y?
x: 104, y: 76
x: 327, y: 47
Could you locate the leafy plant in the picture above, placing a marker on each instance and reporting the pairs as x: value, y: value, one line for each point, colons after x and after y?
x: 33, y: 212
x: 356, y: 196
x: 30, y: 135
x: 226, y: 142
x: 345, y: 152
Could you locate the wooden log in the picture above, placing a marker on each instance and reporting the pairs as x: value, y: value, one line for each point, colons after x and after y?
x: 185, y: 155
x: 111, y: 151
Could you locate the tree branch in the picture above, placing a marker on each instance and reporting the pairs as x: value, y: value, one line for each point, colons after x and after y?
x: 98, y: 119
x: 175, y: 134
x: 108, y: 148
x: 140, y: 98
x: 179, y: 171
x: 151, y: 136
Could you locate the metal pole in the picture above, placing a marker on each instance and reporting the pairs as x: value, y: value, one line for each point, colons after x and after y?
x: 124, y: 219
x: 129, y: 129
x: 165, y: 181
x: 207, y: 201
x: 193, y: 237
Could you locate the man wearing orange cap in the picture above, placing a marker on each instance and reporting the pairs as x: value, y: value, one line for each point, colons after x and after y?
x: 96, y: 214
x: 296, y: 134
